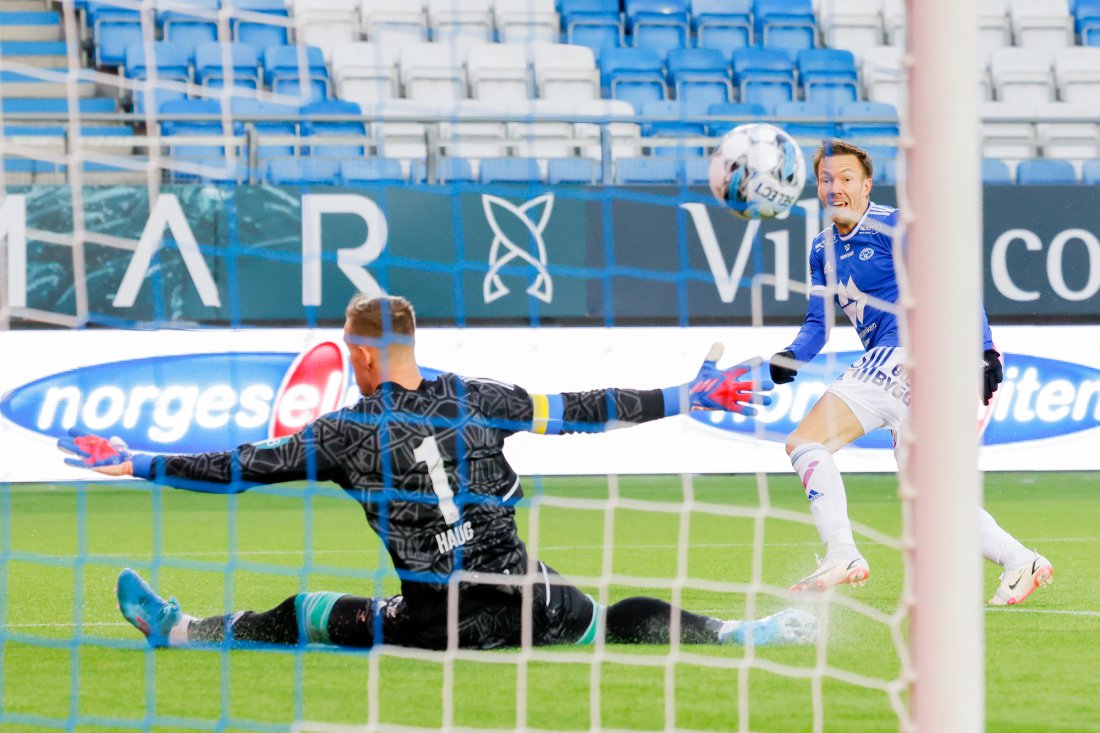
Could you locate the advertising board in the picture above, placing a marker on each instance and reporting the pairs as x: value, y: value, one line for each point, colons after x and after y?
x: 202, y: 390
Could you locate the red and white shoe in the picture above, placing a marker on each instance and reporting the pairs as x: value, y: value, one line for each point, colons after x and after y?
x: 835, y: 571
x: 1018, y: 583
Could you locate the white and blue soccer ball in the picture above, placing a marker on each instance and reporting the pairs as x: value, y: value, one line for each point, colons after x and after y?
x: 757, y: 171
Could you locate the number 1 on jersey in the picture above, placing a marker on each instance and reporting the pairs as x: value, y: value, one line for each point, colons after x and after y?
x: 428, y: 453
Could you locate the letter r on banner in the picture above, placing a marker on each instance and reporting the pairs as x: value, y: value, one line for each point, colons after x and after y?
x: 351, y: 261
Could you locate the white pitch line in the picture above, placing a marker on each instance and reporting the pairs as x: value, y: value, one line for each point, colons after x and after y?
x: 64, y: 625
x: 707, y: 611
x: 548, y: 548
x: 1050, y: 611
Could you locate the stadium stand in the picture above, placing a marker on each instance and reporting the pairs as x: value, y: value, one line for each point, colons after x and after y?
x: 1039, y: 171
x: 722, y: 25
x: 371, y: 170
x: 405, y: 77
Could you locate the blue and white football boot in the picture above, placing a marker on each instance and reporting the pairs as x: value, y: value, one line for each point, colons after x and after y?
x: 149, y: 613
x: 789, y: 626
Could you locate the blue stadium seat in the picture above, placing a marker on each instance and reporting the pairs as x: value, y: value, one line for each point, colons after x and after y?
x: 863, y: 121
x: 572, y: 170
x: 87, y: 105
x: 302, y: 171
x: 828, y: 76
x: 187, y: 30
x: 723, y: 25
x: 211, y: 72
x: 646, y: 171
x: 273, y: 119
x: 1086, y: 19
x: 700, y: 75
x: 281, y: 71
x: 764, y: 75
x: 260, y: 35
x: 695, y: 171
x: 593, y: 23
x: 191, y: 128
x: 39, y: 53
x: 996, y: 171
x: 684, y: 118
x: 317, y: 128
x: 114, y: 29
x: 1041, y: 171
x: 823, y: 127
x: 787, y: 24
x: 371, y: 170
x: 170, y: 60
x: 885, y: 171
x: 733, y: 109
x: 509, y: 170
x: 447, y: 170
x: 632, y: 74
x: 171, y: 64
x: 1090, y: 172
x: 658, y: 24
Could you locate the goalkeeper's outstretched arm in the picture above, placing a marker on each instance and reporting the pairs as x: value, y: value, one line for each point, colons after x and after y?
x: 291, y: 458
x: 739, y: 388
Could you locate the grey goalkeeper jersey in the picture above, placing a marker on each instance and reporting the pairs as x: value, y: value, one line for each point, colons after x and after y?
x: 426, y: 465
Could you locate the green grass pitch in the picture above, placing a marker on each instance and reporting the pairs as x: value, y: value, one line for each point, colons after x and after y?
x: 1042, y: 659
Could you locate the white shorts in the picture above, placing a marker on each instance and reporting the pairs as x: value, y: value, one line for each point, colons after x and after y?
x: 876, y: 389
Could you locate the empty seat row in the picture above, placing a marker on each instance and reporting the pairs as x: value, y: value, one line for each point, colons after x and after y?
x: 1018, y: 75
x: 1047, y: 24
x: 1060, y: 130
x: 627, y: 171
x: 724, y: 25
x: 295, y: 71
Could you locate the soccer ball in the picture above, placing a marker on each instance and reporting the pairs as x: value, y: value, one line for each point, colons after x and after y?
x: 757, y: 171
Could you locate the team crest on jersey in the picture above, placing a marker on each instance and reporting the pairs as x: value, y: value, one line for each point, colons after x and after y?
x: 866, y: 253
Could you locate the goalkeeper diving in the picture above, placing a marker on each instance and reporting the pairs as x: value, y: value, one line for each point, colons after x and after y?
x: 424, y: 459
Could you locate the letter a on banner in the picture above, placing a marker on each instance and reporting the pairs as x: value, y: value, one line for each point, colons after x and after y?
x: 166, y: 212
x: 13, y: 235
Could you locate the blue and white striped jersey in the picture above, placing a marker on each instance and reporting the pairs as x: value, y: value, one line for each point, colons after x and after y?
x: 864, y: 271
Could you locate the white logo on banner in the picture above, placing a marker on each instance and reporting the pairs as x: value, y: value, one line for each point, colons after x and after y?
x: 503, y: 250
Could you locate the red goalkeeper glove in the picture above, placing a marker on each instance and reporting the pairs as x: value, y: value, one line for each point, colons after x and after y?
x: 736, y: 389
x: 99, y: 454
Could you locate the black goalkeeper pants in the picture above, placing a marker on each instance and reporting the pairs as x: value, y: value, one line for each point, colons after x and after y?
x: 489, y: 617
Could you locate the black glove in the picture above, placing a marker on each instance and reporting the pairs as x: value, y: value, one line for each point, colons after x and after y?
x: 782, y: 374
x: 991, y: 377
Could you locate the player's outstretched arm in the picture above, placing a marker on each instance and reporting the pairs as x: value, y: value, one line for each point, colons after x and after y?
x: 739, y: 388
x: 225, y: 472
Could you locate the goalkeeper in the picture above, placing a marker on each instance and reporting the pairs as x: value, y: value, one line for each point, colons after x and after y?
x: 424, y: 458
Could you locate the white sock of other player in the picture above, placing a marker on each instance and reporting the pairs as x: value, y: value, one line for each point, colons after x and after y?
x: 998, y: 546
x: 828, y: 501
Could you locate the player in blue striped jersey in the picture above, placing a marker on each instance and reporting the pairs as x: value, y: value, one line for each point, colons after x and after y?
x: 854, y: 258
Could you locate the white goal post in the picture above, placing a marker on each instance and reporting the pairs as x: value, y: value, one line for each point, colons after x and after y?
x: 941, y: 201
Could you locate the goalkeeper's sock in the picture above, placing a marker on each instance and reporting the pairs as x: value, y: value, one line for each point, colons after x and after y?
x: 180, y: 635
x: 642, y: 620
x: 828, y: 502
x: 998, y: 546
x: 277, y: 626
